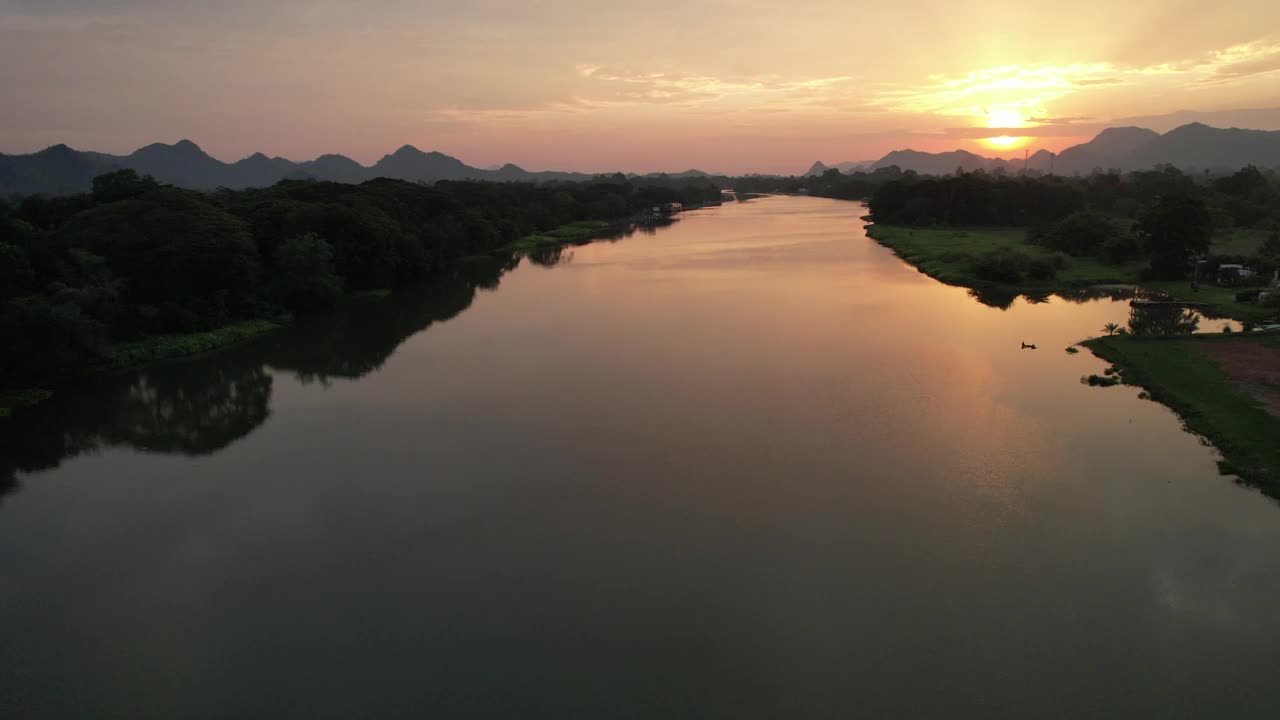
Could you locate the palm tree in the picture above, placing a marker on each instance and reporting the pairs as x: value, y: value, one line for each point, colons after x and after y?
x: 1111, y: 328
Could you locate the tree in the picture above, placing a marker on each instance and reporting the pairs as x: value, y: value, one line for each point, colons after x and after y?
x: 305, y: 276
x: 1111, y: 328
x: 16, y: 275
x: 1082, y: 233
x: 174, y: 250
x: 1173, y: 231
x: 121, y: 185
x: 1271, y: 248
x: 1243, y: 183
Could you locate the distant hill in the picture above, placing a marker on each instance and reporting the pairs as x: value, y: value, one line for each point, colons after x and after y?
x: 1107, y: 147
x: 1207, y: 148
x: 944, y: 163
x: 844, y: 167
x: 1190, y: 147
x: 55, y: 171
x: 60, y: 170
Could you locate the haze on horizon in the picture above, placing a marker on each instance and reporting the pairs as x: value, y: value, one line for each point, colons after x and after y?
x: 725, y: 85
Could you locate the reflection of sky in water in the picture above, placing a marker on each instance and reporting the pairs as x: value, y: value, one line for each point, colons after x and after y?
x: 751, y: 464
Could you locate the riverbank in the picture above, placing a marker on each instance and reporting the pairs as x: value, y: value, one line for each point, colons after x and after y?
x: 1225, y: 388
x: 572, y: 233
x: 120, y: 357
x: 578, y: 233
x: 951, y: 255
x: 133, y: 355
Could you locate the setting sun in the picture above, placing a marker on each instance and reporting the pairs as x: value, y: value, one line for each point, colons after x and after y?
x: 1004, y: 142
x: 1003, y: 118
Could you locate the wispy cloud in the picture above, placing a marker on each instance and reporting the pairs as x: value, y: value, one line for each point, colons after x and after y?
x: 1240, y: 62
x: 1031, y: 92
x: 601, y: 88
x: 1010, y: 87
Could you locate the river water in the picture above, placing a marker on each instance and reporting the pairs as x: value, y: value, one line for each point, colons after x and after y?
x: 750, y: 465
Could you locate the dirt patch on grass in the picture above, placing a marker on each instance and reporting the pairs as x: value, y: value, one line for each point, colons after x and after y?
x: 1252, y: 367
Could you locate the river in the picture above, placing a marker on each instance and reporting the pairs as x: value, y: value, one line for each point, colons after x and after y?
x: 749, y: 465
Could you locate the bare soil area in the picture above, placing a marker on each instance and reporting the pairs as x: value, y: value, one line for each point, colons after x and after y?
x: 1251, y: 366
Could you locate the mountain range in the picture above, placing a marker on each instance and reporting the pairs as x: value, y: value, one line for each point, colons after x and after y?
x: 1193, y: 146
x: 62, y: 170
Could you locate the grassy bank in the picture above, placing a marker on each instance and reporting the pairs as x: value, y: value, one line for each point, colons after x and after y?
x: 1179, y: 373
x: 168, y: 347
x: 577, y: 232
x: 126, y: 356
x: 950, y: 254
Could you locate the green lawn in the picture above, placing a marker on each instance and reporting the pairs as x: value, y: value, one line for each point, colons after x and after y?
x: 1239, y: 241
x: 948, y: 254
x: 1177, y: 373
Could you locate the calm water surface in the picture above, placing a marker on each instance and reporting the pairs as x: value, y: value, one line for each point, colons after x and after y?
x: 752, y: 465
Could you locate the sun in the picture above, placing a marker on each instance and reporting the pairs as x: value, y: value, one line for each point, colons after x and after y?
x: 1004, y: 142
x: 1004, y: 118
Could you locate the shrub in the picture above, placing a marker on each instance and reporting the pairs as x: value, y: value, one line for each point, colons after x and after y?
x: 1119, y: 248
x: 1004, y: 265
x: 1041, y: 269
x: 1082, y: 233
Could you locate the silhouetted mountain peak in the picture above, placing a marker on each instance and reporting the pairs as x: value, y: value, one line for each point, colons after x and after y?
x: 1130, y: 131
x: 182, y: 148
x: 55, y: 150
x: 1193, y: 130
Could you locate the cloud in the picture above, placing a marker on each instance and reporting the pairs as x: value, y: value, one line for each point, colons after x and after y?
x: 1031, y: 92
x: 601, y: 88
x: 1239, y: 62
x: 1008, y: 87
x: 689, y: 88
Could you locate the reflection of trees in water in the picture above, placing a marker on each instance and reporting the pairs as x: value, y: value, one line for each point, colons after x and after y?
x: 8, y: 482
x: 357, y: 339
x: 1003, y: 298
x: 551, y: 256
x: 182, y: 408
x: 485, y: 273
x: 201, y: 406
x: 1080, y: 296
x: 1162, y: 320
x: 996, y: 297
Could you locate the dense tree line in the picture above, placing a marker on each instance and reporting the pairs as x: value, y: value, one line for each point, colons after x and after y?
x: 1163, y: 216
x: 133, y: 258
x: 1246, y: 198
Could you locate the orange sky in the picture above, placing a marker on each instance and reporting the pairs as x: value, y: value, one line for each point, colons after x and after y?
x: 721, y: 85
